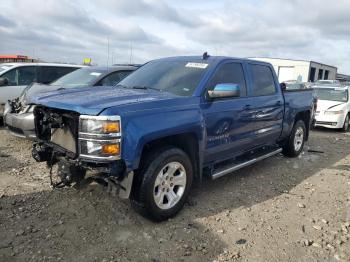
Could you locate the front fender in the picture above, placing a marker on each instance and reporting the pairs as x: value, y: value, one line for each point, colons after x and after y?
x: 138, y: 130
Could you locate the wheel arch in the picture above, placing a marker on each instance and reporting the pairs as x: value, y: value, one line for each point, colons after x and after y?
x: 188, y: 142
x: 305, y: 116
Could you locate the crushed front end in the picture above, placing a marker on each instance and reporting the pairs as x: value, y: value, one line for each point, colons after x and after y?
x: 85, y: 148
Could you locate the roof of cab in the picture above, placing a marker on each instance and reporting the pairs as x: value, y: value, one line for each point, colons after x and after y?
x: 212, y: 59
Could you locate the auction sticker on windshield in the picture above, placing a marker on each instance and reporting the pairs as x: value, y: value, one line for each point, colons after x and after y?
x: 197, y: 65
x: 95, y: 74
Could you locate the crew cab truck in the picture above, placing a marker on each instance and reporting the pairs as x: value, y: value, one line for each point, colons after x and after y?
x: 168, y: 124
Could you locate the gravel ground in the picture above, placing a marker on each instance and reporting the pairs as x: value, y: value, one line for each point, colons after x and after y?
x: 277, y: 210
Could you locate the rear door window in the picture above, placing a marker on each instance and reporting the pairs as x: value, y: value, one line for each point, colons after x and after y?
x: 20, y: 76
x: 113, y: 78
x: 263, y: 81
x: 48, y: 74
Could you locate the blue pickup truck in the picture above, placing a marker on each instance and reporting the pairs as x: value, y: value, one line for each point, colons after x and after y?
x: 167, y: 125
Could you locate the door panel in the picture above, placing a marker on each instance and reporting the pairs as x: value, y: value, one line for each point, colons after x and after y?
x: 268, y: 119
x: 229, y: 122
x: 229, y: 128
x: 268, y: 105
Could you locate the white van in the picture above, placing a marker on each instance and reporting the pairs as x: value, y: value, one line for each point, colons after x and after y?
x: 14, y: 77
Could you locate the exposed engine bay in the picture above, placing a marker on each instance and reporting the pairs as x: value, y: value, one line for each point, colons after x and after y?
x: 58, y: 128
x: 58, y: 135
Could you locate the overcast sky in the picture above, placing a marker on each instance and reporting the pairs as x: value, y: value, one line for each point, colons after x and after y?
x: 68, y: 31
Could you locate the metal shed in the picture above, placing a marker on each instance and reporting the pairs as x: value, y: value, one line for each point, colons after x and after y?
x: 301, y: 70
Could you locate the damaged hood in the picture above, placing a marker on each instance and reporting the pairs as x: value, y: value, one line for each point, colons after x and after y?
x: 324, y: 105
x: 93, y: 100
x: 36, y: 88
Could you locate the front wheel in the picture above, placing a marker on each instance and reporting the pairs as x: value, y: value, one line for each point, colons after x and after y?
x: 165, y: 184
x: 295, y: 143
x: 345, y: 127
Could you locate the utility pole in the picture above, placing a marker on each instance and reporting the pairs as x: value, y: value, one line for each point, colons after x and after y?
x: 130, y: 53
x: 107, y: 51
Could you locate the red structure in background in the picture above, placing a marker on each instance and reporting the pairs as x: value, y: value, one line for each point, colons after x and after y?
x: 16, y: 58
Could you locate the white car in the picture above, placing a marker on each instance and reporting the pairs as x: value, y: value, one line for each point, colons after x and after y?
x: 333, y: 106
x: 14, y: 77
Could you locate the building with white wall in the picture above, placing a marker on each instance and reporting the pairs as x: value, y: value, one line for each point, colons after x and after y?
x: 301, y: 70
x: 343, y: 78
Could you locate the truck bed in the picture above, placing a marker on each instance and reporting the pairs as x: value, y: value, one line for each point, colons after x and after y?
x: 296, y: 101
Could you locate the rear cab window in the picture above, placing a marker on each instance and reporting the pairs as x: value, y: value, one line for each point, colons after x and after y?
x: 263, y: 83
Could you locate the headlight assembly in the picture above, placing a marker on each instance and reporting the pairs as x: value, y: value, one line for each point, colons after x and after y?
x: 100, y: 148
x: 100, y: 125
x: 100, y: 137
x: 334, y: 112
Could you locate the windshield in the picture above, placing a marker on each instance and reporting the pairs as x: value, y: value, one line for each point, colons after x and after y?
x: 80, y: 77
x: 5, y: 67
x: 332, y: 94
x: 173, y: 76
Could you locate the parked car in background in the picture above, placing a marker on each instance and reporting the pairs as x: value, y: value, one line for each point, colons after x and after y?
x: 294, y: 85
x: 327, y: 82
x: 167, y: 124
x: 333, y: 106
x: 14, y: 77
x: 18, y: 116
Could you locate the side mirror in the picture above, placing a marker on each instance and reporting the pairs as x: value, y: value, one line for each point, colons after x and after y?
x: 283, y: 86
x: 4, y: 81
x: 224, y: 90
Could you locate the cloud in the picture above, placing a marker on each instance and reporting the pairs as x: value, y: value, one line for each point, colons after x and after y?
x: 64, y: 29
x: 5, y: 22
x: 156, y: 9
x: 71, y: 30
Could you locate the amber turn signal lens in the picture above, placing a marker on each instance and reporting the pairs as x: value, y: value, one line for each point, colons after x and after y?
x: 111, y: 149
x: 111, y: 127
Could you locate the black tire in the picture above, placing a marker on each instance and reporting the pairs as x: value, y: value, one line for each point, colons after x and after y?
x: 313, y: 124
x: 142, y: 198
x: 289, y: 149
x: 345, y: 127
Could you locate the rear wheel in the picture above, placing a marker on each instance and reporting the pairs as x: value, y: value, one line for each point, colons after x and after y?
x: 295, y: 143
x: 165, y: 183
x: 345, y: 127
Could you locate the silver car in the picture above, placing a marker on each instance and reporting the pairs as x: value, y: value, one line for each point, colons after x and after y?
x: 18, y: 114
x: 14, y: 77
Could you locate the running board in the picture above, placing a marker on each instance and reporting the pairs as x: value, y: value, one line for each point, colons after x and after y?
x: 226, y: 171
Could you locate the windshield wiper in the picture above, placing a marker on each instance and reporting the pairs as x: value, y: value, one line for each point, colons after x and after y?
x: 145, y: 88
x: 140, y: 87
